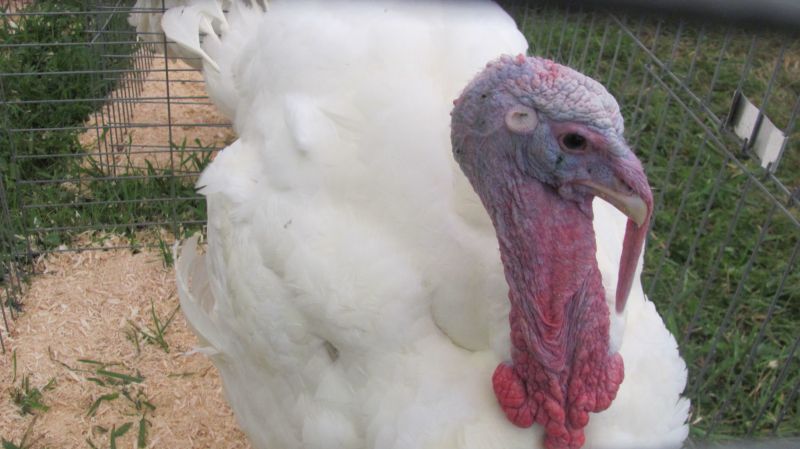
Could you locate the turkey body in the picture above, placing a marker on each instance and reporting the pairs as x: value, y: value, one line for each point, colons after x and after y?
x: 351, y: 294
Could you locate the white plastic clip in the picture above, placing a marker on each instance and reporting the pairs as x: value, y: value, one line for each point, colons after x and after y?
x: 762, y: 136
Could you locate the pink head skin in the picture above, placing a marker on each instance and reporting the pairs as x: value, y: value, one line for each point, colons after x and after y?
x: 538, y: 141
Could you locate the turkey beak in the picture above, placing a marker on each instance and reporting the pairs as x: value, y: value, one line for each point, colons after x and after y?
x: 625, y: 187
x: 622, y: 197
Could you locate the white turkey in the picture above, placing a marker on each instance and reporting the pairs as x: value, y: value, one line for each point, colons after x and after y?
x: 353, y: 295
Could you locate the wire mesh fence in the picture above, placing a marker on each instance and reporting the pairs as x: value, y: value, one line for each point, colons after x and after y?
x: 101, y: 135
x: 721, y: 260
x: 105, y: 135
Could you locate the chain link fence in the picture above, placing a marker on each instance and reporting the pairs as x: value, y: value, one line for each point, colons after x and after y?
x: 104, y: 136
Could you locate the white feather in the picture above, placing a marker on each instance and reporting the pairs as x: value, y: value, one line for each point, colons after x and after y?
x: 182, y: 25
x: 352, y: 293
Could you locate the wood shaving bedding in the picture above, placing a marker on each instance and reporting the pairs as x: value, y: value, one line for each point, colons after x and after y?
x: 79, y: 308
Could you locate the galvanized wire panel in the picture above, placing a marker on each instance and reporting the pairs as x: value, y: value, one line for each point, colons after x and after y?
x: 722, y: 256
x: 97, y: 140
x: 98, y: 134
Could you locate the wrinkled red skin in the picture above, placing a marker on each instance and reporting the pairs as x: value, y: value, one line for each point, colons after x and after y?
x: 560, y: 368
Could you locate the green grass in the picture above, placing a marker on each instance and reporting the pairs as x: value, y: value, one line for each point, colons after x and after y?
x: 155, y: 334
x: 142, y: 197
x: 714, y: 298
x: 30, y: 400
x: 60, y: 191
x: 52, y: 69
x: 47, y: 57
x: 113, y: 434
x: 121, y: 387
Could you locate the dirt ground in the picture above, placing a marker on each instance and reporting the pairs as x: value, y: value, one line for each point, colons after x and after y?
x: 79, y: 311
x: 79, y: 365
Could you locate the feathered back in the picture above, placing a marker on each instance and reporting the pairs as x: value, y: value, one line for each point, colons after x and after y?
x: 357, y: 112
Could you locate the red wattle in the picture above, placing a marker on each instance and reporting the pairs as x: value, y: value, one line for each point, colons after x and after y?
x: 560, y: 400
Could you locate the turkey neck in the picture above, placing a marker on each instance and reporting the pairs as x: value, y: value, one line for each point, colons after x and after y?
x: 559, y: 318
x: 547, y: 246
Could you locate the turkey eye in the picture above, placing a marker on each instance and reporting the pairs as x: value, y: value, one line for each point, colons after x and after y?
x: 574, y: 142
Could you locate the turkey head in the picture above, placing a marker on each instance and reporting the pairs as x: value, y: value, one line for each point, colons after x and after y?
x: 538, y: 141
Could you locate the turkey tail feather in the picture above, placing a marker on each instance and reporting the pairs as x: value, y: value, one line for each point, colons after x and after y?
x: 196, y: 297
x: 184, y: 25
